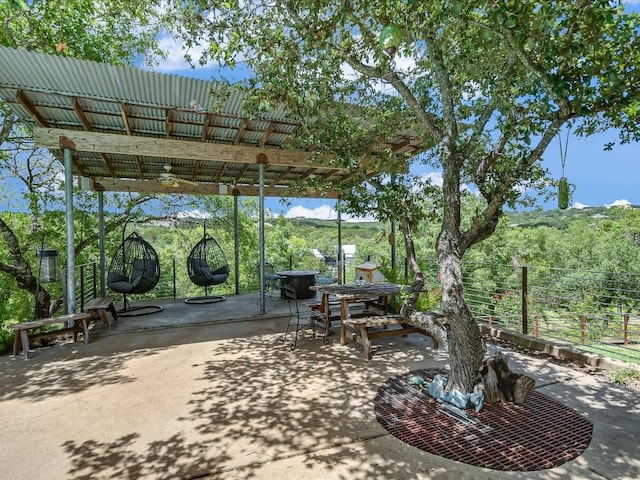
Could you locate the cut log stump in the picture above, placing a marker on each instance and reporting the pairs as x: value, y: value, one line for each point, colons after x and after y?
x: 500, y: 384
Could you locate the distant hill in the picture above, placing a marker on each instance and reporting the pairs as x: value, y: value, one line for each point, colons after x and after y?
x: 560, y: 218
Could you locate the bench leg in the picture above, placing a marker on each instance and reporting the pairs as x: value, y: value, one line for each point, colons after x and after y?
x: 365, y: 342
x: 25, y: 343
x: 85, y: 331
x: 16, y: 343
x: 114, y: 312
x: 103, y: 316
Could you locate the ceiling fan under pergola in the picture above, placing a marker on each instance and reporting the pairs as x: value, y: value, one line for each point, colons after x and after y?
x: 166, y: 179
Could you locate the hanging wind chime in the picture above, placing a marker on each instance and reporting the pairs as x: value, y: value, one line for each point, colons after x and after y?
x: 563, y: 183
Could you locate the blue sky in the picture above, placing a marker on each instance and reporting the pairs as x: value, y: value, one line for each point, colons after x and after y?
x: 600, y: 178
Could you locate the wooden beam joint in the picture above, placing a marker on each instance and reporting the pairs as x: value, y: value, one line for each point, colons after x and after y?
x: 66, y: 142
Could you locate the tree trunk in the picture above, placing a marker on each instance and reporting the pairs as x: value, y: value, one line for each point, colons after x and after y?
x: 466, y: 349
x: 418, y: 276
x: 21, y: 272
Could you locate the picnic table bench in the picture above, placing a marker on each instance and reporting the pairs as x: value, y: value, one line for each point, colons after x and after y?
x: 80, y: 324
x: 98, y: 309
x: 372, y: 327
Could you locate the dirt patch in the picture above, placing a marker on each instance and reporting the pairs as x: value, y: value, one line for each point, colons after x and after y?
x: 632, y: 383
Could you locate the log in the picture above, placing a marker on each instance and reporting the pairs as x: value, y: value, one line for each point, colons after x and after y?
x: 500, y: 384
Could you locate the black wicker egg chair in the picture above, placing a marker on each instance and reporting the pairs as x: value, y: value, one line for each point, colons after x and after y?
x: 134, y: 269
x: 207, y: 266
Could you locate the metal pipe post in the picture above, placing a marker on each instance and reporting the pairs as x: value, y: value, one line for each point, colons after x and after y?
x: 71, y: 254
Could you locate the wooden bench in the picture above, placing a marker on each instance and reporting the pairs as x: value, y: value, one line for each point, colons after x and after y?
x: 335, y: 304
x: 80, y: 324
x: 372, y: 327
x: 98, y: 309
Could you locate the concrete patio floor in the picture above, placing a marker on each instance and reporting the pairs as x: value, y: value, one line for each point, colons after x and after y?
x: 210, y: 392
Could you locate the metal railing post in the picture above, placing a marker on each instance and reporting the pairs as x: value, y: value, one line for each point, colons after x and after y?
x: 174, y: 280
x: 82, y: 287
x: 525, y: 301
x: 94, y: 286
x: 406, y: 270
x: 65, y: 292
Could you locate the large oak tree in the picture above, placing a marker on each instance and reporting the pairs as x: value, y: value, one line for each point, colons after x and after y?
x: 486, y: 84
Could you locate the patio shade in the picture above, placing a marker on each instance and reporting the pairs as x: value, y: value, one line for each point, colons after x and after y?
x: 129, y: 128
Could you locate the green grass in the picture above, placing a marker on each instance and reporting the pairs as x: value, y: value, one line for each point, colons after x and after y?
x: 619, y: 376
x: 613, y: 351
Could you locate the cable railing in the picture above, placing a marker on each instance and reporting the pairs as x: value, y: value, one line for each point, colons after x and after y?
x: 86, y: 288
x: 595, y: 311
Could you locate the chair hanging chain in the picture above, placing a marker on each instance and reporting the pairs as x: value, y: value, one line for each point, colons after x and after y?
x: 563, y: 152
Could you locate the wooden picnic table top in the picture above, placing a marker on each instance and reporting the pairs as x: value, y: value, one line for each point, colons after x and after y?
x: 353, y: 289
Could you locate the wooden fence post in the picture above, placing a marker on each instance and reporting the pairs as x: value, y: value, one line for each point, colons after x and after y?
x: 537, y: 324
x: 625, y: 329
x: 583, y: 327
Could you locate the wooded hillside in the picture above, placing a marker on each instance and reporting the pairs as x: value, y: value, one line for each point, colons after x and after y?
x: 604, y: 239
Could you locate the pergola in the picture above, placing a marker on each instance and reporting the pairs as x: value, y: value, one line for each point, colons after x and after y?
x: 131, y: 130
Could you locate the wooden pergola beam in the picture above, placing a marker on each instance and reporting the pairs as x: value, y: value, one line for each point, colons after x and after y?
x: 154, y: 186
x: 26, y: 103
x: 169, y: 148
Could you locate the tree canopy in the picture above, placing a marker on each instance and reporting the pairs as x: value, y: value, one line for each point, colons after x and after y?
x: 486, y: 84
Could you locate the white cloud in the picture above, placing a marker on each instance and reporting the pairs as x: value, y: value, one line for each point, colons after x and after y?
x: 175, y: 50
x: 434, y: 177
x: 619, y: 203
x: 323, y: 212
x: 579, y: 206
x: 54, y: 186
x: 193, y: 214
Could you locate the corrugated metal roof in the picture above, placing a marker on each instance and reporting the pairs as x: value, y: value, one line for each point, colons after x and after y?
x: 78, y: 101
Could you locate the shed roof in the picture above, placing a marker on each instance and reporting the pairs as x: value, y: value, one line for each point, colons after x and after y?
x: 129, y: 127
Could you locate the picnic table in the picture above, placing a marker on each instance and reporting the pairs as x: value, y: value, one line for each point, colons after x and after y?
x: 371, y: 326
x: 374, y: 295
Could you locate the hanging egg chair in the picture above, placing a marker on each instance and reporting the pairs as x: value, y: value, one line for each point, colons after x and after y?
x: 207, y: 266
x: 134, y: 269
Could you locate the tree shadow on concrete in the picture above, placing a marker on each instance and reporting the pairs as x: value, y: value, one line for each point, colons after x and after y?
x: 255, y: 403
x: 174, y: 458
x: 610, y: 407
x: 260, y: 410
x: 41, y: 379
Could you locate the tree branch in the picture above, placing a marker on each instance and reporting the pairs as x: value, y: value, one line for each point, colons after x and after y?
x: 431, y: 122
x: 484, y: 224
x: 446, y: 92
